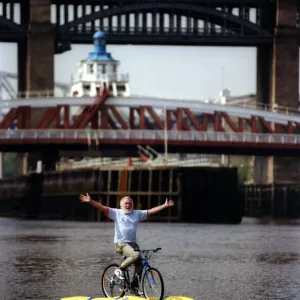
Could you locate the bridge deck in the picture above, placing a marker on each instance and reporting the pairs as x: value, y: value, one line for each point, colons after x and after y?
x: 245, y: 110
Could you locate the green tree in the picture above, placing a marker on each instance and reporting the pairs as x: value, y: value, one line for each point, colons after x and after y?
x: 9, y: 162
x: 245, y: 173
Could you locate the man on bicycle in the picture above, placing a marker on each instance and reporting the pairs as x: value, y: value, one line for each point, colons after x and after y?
x: 126, y: 220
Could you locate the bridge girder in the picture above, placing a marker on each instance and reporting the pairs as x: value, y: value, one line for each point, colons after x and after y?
x: 211, y: 12
x: 182, y: 9
x: 10, y: 30
x: 232, y: 26
x: 142, y: 117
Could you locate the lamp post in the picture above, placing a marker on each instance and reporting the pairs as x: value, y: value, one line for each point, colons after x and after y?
x: 166, y: 133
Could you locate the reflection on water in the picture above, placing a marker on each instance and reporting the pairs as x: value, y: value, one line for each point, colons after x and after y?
x: 52, y: 259
x: 279, y: 258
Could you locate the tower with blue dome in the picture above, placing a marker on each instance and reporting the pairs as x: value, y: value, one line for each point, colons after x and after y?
x: 99, y: 69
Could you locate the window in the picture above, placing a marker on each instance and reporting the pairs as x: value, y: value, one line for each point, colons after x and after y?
x: 99, y: 42
x: 91, y: 68
x: 86, y: 88
x: 114, y: 68
x: 121, y: 88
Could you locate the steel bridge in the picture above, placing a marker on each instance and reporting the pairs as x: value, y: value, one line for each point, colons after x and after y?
x: 167, y: 22
x: 51, y: 26
x: 42, y: 121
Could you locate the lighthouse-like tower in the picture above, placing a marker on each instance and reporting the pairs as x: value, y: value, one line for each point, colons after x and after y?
x: 99, y: 69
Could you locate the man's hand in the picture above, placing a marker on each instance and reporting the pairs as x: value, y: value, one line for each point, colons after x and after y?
x: 169, y: 203
x: 84, y: 198
x: 159, y: 208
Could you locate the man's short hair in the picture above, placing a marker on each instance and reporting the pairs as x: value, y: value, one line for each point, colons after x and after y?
x: 124, y: 198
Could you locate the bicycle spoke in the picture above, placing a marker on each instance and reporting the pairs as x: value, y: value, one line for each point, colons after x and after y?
x: 153, y: 285
x: 111, y: 285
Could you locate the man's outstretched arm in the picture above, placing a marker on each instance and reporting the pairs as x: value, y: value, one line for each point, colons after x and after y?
x: 157, y: 209
x: 87, y: 199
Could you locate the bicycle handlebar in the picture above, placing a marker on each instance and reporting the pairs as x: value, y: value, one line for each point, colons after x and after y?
x: 149, y: 250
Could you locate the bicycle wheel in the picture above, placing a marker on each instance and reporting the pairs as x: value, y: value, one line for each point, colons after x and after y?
x: 111, y: 285
x: 153, y: 284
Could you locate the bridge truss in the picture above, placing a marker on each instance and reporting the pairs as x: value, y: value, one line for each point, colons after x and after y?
x: 103, y: 123
x: 167, y: 22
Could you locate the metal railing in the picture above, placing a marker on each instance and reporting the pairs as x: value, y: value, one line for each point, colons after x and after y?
x: 266, y: 107
x: 172, y: 135
x: 36, y: 94
x: 247, y: 103
x: 100, y: 77
x: 167, y: 31
x: 105, y: 162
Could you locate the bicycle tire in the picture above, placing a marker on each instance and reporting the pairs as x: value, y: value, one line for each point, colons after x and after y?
x: 144, y: 281
x: 121, y: 293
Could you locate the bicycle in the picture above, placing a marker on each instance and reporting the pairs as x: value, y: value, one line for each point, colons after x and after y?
x: 151, y: 278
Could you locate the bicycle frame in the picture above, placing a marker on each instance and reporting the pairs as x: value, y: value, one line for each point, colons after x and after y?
x: 144, y: 268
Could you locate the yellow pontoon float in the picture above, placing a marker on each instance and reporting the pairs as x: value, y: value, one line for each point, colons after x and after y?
x: 126, y: 298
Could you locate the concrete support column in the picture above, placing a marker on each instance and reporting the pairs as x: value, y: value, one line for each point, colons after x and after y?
x: 263, y: 165
x: 40, y: 64
x: 279, y: 84
x: 21, y: 164
x: 22, y: 49
x: 20, y: 167
x: 263, y: 170
x: 40, y: 59
x: 285, y: 80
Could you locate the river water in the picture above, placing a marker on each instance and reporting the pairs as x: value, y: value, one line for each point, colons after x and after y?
x: 54, y: 259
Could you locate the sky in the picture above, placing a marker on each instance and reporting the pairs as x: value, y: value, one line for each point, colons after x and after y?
x: 187, y: 72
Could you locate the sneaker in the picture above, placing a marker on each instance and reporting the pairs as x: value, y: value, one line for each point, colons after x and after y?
x: 119, y: 273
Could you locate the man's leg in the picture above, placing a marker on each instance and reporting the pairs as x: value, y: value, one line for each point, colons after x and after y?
x: 132, y: 257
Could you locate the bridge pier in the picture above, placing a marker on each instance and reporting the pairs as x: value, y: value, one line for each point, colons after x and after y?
x: 278, y: 83
x: 40, y: 59
x: 36, y: 64
x: 264, y: 169
x: 21, y: 164
x: 285, y: 75
x: 22, y: 49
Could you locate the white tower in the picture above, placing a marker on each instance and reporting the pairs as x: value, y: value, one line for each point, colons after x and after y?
x: 97, y: 71
x: 224, y: 96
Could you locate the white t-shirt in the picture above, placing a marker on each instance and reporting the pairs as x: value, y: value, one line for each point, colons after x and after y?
x: 126, y: 225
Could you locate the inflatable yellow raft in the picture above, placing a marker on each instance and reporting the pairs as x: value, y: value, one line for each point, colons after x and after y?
x: 126, y: 298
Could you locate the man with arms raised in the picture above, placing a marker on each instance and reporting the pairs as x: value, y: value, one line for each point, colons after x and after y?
x: 126, y: 220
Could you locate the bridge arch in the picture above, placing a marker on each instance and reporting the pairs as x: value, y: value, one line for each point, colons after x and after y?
x: 216, y: 17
